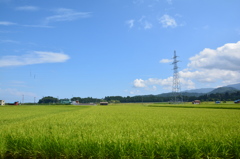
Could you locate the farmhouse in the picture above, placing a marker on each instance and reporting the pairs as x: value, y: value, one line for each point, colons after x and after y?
x: 2, y: 102
x: 103, y: 103
x: 196, y: 102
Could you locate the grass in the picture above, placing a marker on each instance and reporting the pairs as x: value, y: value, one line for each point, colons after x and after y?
x: 119, y: 131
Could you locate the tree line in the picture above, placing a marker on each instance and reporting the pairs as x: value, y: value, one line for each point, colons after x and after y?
x: 146, y: 98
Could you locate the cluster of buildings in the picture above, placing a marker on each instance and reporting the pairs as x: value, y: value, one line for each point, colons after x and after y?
x: 2, y: 102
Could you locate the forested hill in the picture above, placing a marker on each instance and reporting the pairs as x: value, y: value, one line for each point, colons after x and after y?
x: 224, y: 90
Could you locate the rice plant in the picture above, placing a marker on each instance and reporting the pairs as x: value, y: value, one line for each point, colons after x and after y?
x: 119, y: 131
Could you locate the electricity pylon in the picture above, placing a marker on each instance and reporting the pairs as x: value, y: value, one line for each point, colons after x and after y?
x: 176, y: 87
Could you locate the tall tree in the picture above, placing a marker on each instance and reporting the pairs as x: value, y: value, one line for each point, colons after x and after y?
x: 48, y: 99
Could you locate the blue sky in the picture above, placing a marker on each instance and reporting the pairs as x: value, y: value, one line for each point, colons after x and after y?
x: 85, y: 48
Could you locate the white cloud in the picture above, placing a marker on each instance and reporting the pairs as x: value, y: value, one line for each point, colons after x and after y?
x: 168, y: 21
x: 162, y: 82
x: 27, y: 8
x: 187, y: 83
x: 130, y: 23
x: 7, y: 23
x: 150, y: 84
x: 166, y: 61
x: 212, y: 76
x: 64, y: 14
x: 209, y: 66
x: 139, y: 83
x: 226, y: 57
x: 35, y: 57
x: 221, y: 64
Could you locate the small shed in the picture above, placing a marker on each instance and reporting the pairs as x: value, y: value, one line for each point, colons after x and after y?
x: 103, y: 103
x: 196, y: 102
x: 2, y: 102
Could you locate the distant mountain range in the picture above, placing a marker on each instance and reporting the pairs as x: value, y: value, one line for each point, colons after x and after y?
x: 223, y: 90
x: 237, y: 86
x: 183, y: 94
x: 198, y: 92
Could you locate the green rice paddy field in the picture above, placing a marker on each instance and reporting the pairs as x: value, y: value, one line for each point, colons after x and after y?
x: 120, y: 131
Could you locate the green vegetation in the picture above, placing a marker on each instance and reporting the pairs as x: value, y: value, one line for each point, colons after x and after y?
x: 48, y: 99
x: 120, y: 131
x: 165, y: 97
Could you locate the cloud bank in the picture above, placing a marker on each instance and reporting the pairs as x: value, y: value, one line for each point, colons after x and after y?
x: 166, y: 61
x: 6, y: 23
x: 226, y: 57
x: 63, y: 14
x: 27, y: 8
x: 165, y: 83
x: 36, y: 57
x: 213, y: 65
x: 208, y: 66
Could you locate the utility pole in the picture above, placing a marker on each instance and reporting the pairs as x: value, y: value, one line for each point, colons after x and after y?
x: 23, y: 99
x: 176, y: 88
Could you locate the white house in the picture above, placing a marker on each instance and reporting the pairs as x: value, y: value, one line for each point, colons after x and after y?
x: 2, y: 102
